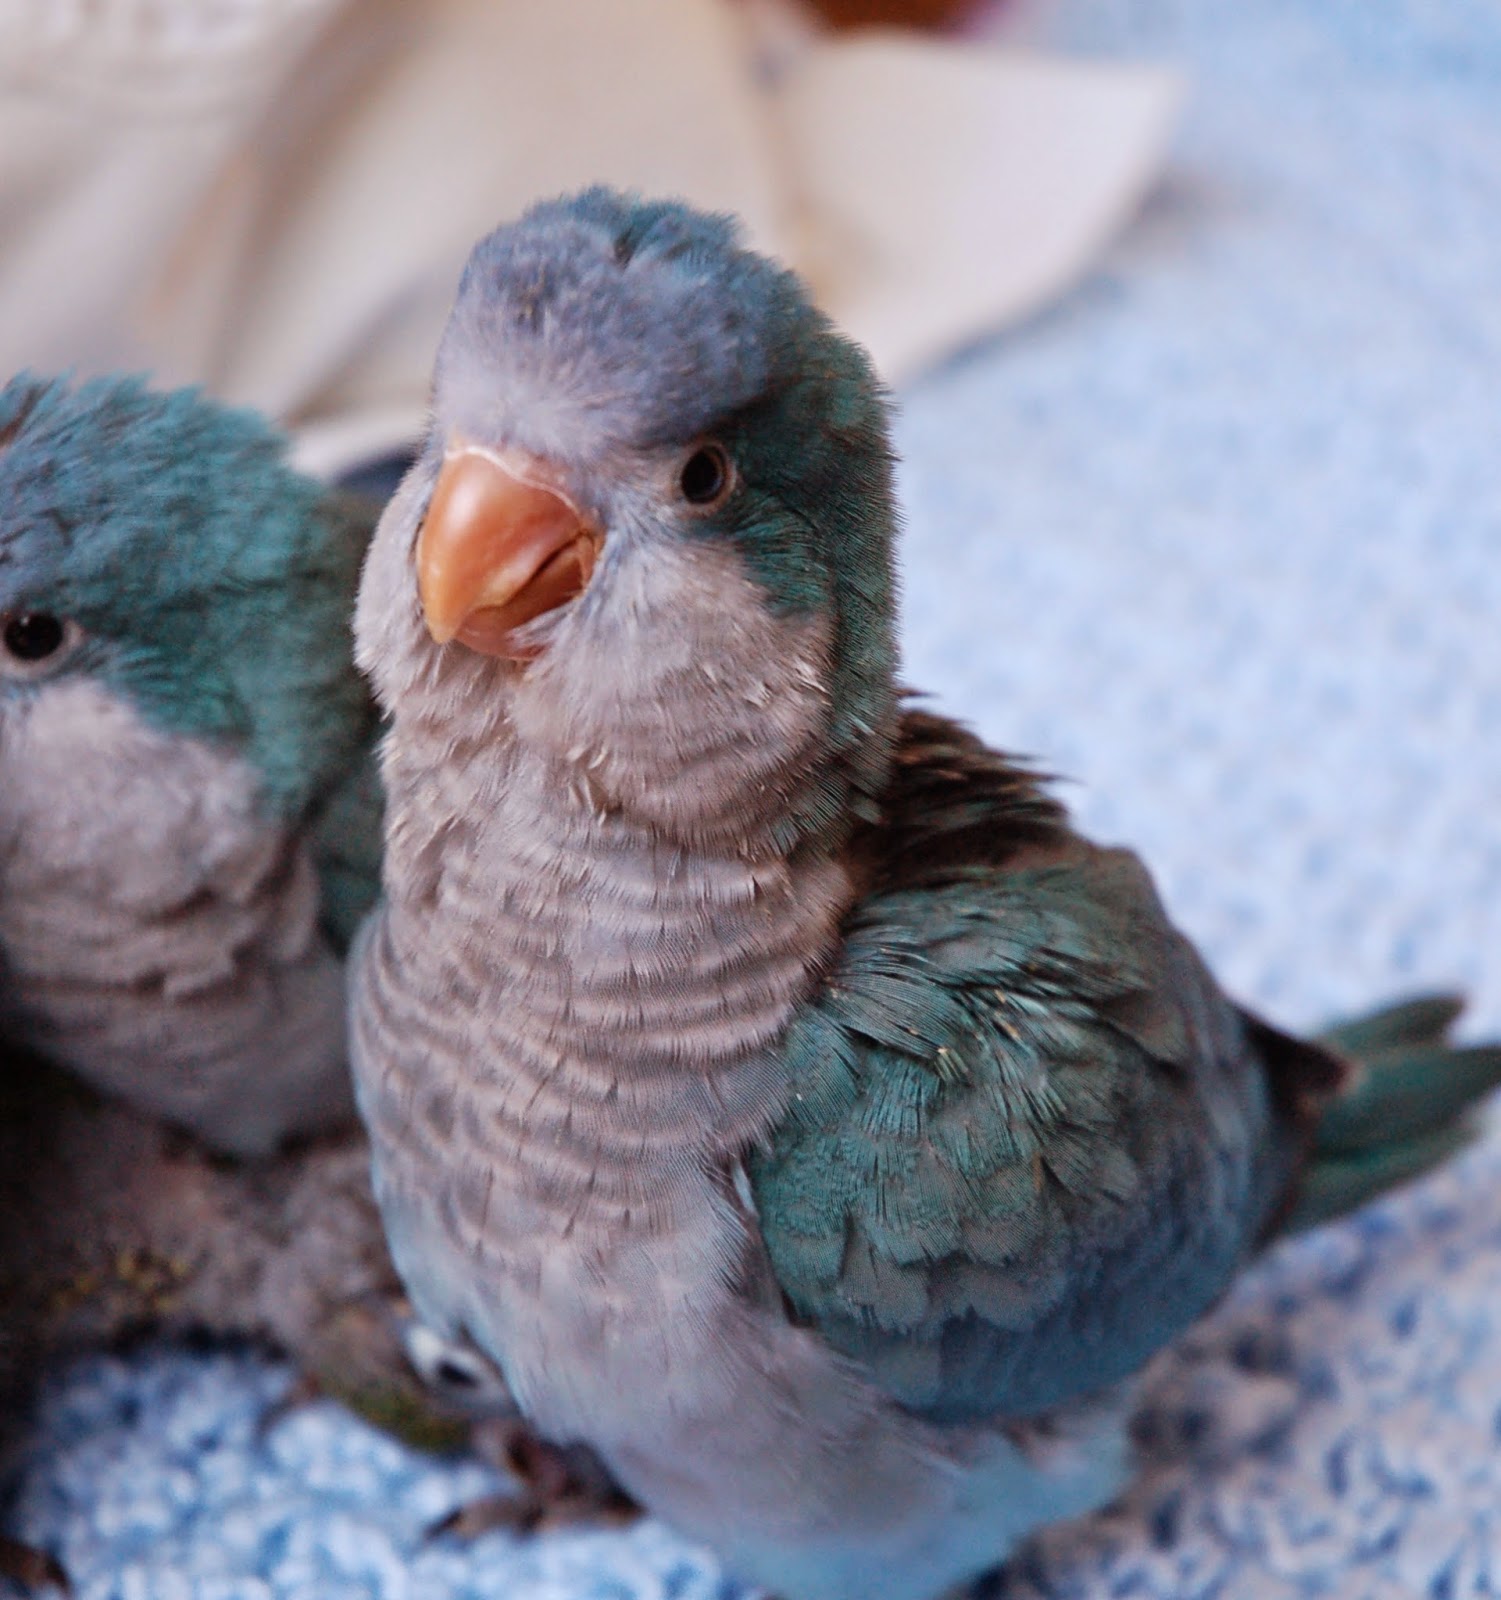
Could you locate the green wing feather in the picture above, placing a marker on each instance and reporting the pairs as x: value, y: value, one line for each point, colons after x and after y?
x: 345, y: 825
x: 1029, y: 1139
x: 346, y: 839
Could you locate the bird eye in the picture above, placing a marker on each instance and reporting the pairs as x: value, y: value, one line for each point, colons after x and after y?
x: 706, y: 476
x: 33, y: 641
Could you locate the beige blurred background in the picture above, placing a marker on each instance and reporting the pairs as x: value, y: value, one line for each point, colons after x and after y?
x: 274, y: 197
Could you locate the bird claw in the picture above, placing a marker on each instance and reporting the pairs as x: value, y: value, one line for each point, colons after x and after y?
x: 528, y: 1513
x: 30, y: 1569
x: 560, y: 1487
x: 519, y: 1514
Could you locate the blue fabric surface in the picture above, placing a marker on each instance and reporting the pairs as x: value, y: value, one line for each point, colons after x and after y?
x: 1219, y: 539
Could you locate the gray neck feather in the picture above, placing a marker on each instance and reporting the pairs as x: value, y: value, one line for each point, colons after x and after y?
x: 591, y: 868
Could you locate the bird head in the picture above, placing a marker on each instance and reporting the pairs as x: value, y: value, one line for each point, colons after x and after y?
x: 157, y: 545
x: 656, y: 491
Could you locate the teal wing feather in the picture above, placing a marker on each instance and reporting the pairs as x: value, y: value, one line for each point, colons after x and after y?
x: 346, y: 839
x: 344, y: 825
x: 1029, y: 1139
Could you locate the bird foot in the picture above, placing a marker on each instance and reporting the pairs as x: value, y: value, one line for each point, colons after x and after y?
x: 560, y: 1487
x: 30, y: 1569
x: 524, y: 1514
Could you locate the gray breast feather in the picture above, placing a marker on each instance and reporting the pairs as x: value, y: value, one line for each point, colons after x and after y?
x: 160, y: 932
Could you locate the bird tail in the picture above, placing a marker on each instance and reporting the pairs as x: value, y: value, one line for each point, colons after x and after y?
x: 1410, y: 1101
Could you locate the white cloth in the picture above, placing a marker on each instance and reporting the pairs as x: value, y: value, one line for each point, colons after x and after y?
x: 274, y: 197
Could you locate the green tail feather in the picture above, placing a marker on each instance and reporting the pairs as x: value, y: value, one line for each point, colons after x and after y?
x: 1425, y: 1020
x: 1410, y: 1106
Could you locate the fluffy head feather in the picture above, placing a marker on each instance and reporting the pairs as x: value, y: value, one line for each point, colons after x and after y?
x: 196, y: 573
x: 613, y: 336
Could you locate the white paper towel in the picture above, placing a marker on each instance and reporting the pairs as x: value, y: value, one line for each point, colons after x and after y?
x: 275, y: 197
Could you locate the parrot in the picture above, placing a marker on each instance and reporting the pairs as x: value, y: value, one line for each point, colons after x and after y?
x: 189, y: 800
x: 189, y: 833
x: 759, y: 1068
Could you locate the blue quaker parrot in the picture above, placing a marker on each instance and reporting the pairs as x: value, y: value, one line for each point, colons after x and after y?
x: 189, y: 802
x: 762, y: 1072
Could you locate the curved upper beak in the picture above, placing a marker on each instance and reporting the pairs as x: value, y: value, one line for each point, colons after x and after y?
x: 501, y: 545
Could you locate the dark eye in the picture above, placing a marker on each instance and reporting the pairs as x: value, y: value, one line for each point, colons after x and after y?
x: 706, y: 476
x: 34, y: 638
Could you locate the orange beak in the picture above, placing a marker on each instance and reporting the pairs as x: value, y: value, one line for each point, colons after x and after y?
x: 500, y: 546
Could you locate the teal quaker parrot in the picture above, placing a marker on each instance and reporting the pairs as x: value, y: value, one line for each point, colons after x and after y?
x: 189, y: 805
x: 763, y: 1073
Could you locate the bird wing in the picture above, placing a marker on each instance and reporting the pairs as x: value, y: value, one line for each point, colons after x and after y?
x: 1029, y: 1140
x: 346, y: 843
x: 330, y: 732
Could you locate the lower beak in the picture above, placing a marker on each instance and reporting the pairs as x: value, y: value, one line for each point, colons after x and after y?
x: 500, y: 546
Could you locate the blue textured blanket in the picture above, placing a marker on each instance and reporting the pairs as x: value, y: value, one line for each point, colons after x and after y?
x: 1220, y: 539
